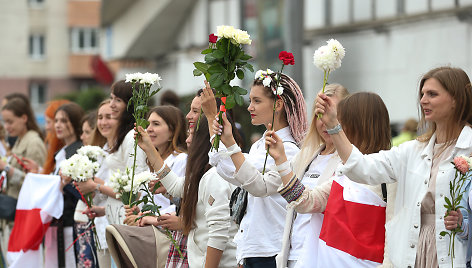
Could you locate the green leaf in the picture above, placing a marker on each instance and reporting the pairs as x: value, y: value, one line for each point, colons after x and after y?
x: 207, y: 51
x: 246, y: 57
x: 209, y: 58
x: 249, y: 67
x: 226, y: 89
x: 218, y: 54
x: 222, y: 45
x: 216, y: 80
x: 448, y: 202
x: 216, y: 68
x: 197, y: 72
x: 240, y: 74
x: 147, y: 207
x: 240, y: 90
x: 239, y: 99
x: 230, y: 102
x: 203, y: 67
x: 443, y: 233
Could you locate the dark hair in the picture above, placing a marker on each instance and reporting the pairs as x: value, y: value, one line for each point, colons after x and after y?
x: 17, y: 95
x: 169, y: 97
x: 456, y: 82
x: 364, y: 118
x: 74, y: 114
x: 19, y: 108
x: 175, y: 121
x: 91, y: 119
x: 294, y: 103
x: 124, y: 91
x: 197, y: 165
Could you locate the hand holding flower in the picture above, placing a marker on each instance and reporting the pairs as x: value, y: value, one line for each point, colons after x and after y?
x: 94, y: 211
x: 144, y: 141
x: 170, y: 221
x: 275, y: 143
x: 87, y: 186
x: 327, y: 107
x: 225, y: 130
x: 453, y: 219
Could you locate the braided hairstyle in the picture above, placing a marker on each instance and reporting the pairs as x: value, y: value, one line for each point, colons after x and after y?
x: 294, y: 103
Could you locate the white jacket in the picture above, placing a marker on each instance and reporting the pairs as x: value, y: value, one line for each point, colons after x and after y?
x: 410, y: 165
x: 213, y: 225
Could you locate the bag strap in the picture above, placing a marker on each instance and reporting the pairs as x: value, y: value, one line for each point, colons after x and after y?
x: 384, y: 191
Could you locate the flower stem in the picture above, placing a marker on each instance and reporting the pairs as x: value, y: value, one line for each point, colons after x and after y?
x: 273, y: 115
x: 325, y: 81
x: 134, y: 167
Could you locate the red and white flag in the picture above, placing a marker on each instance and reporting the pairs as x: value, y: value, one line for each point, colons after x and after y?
x: 40, y: 200
x: 353, y: 230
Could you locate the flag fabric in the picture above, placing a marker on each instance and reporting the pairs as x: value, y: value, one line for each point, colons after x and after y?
x: 353, y: 230
x: 40, y: 200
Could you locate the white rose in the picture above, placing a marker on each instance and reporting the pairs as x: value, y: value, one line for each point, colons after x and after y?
x: 242, y: 37
x: 225, y: 31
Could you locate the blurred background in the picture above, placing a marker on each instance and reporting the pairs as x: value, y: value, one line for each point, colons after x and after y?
x: 75, y: 49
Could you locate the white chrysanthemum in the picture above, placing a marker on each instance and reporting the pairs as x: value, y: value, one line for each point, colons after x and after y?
x: 94, y: 153
x: 134, y: 77
x: 325, y: 59
x: 143, y: 178
x: 269, y: 71
x: 280, y: 90
x: 266, y: 81
x: 150, y: 78
x: 337, y: 48
x: 78, y: 167
x: 241, y: 37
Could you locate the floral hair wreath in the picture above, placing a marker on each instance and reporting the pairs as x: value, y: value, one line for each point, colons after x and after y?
x: 266, y: 79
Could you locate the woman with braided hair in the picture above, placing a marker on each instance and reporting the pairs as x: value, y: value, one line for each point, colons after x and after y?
x: 259, y: 238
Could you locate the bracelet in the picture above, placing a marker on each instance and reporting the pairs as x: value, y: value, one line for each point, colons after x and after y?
x: 164, y: 172
x: 335, y: 130
x: 97, y: 188
x: 285, y: 172
x: 285, y: 165
x: 6, y: 168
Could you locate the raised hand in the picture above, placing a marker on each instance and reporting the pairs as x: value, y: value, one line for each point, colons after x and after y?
x: 144, y: 141
x: 327, y: 108
x: 87, y: 186
x: 94, y: 211
x: 208, y: 101
x: 225, y: 130
x: 30, y: 165
x: 275, y: 143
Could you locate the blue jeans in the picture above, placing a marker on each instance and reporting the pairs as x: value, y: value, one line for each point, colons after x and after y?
x: 259, y: 262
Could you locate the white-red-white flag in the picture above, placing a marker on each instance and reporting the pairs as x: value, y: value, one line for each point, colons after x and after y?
x: 353, y: 230
x: 39, y: 201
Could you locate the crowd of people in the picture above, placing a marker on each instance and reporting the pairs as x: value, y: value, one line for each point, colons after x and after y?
x: 326, y: 192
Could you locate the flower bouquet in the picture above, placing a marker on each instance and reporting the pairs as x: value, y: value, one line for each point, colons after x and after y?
x: 328, y: 58
x: 463, y: 166
x: 225, y: 59
x: 83, y: 166
x: 142, y: 93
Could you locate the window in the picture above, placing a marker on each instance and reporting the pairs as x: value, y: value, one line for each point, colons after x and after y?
x: 37, y: 93
x: 37, y: 46
x: 84, y: 40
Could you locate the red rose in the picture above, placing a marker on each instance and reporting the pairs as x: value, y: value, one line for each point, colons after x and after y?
x: 287, y: 58
x: 212, y: 38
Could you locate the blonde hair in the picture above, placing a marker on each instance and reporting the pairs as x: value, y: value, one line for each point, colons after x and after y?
x: 313, y: 140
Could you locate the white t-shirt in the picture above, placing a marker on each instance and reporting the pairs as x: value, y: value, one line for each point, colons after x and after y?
x: 301, y: 230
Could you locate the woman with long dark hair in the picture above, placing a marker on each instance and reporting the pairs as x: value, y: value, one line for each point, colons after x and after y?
x: 205, y: 202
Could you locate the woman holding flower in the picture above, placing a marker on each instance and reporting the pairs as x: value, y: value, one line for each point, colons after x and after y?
x: 421, y: 167
x: 361, y: 114
x: 259, y: 238
x: 67, y: 124
x: 205, y: 202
